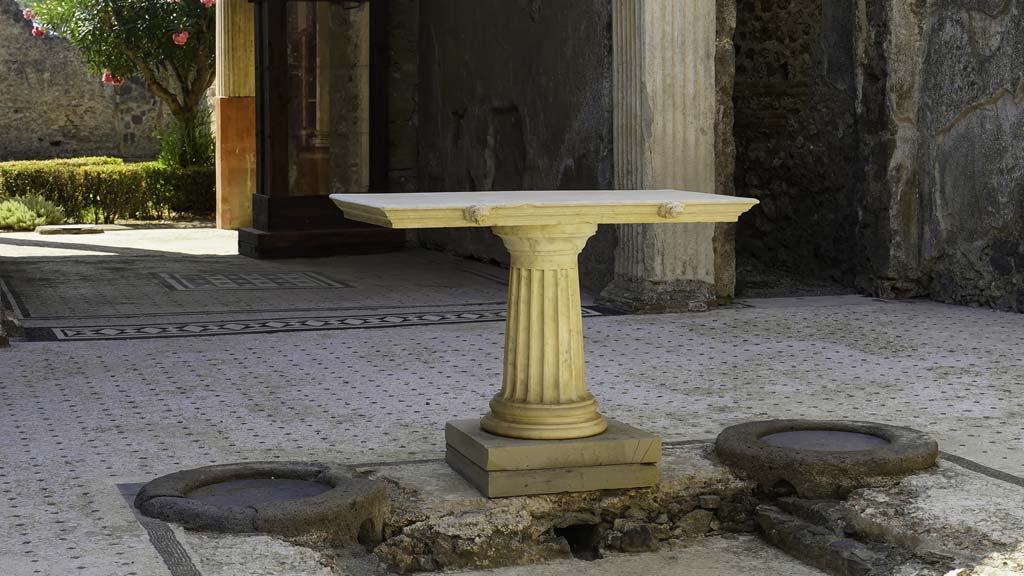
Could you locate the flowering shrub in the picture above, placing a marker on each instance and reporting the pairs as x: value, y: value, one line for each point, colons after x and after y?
x: 169, y: 44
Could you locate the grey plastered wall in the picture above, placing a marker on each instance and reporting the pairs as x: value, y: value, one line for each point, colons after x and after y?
x: 516, y: 95
x: 50, y: 106
x: 969, y: 103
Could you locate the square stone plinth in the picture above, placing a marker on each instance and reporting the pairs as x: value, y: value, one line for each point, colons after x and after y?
x: 622, y: 457
x: 620, y: 444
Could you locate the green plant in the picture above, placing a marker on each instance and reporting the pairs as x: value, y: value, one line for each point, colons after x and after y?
x: 189, y: 142
x: 28, y: 212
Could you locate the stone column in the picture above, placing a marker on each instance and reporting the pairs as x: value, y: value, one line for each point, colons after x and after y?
x: 350, y: 98
x: 544, y: 393
x: 235, y: 114
x: 664, y: 137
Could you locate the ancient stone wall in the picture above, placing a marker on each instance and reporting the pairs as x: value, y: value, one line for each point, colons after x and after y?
x: 516, y: 94
x: 797, y: 147
x: 958, y: 102
x: 50, y: 106
x: 884, y: 142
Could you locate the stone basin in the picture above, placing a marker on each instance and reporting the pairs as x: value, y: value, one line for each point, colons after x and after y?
x: 821, y: 459
x: 291, y: 499
x: 824, y: 440
x: 256, y: 491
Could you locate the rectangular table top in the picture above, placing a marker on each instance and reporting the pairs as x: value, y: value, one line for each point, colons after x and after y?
x: 525, y: 208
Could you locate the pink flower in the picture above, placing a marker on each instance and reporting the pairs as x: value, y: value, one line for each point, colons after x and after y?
x: 174, y: 1
x: 38, y: 32
x: 108, y: 78
x: 117, y: 81
x: 208, y: 3
x: 180, y: 38
x: 28, y: 14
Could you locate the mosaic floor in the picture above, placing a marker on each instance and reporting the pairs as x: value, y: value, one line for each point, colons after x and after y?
x: 81, y: 416
x: 136, y: 297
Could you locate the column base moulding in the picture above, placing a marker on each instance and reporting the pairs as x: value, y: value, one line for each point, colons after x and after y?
x: 646, y: 297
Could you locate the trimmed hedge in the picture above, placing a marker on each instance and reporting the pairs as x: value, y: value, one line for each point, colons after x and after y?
x: 81, y: 161
x: 107, y: 189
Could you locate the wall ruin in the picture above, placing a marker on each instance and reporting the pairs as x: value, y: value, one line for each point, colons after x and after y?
x: 883, y: 139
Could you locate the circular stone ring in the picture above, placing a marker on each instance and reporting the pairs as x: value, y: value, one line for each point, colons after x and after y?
x: 290, y: 499
x: 822, y: 458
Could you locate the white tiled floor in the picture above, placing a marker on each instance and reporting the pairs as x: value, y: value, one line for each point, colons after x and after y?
x: 80, y: 417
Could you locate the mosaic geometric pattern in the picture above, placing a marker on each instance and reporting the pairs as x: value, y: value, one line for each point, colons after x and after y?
x: 248, y: 281
x: 178, y: 330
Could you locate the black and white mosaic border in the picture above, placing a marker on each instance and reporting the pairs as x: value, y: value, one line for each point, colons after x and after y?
x: 228, y: 327
x: 247, y: 281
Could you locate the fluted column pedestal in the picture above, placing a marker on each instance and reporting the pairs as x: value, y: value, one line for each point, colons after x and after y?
x: 544, y: 433
x: 544, y: 393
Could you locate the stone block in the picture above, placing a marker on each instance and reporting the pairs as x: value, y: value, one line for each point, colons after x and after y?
x: 694, y: 524
x: 69, y: 229
x: 620, y: 444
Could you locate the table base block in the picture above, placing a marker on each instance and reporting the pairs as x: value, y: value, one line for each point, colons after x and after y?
x: 622, y: 457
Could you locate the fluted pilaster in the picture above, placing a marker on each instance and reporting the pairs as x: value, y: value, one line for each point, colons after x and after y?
x: 664, y: 98
x: 236, y: 52
x: 544, y: 393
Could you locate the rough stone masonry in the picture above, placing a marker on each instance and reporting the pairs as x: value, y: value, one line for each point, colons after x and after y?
x: 52, y: 107
x: 883, y: 140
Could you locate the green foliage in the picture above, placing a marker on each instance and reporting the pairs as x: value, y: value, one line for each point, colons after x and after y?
x: 189, y: 142
x: 110, y: 191
x: 125, y: 36
x: 28, y: 212
x: 14, y: 215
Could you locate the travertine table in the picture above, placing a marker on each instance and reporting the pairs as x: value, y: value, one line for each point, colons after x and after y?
x: 544, y: 394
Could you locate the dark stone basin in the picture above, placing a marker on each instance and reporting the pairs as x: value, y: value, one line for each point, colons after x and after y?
x: 822, y: 459
x: 291, y: 499
x: 824, y: 440
x: 250, y: 492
